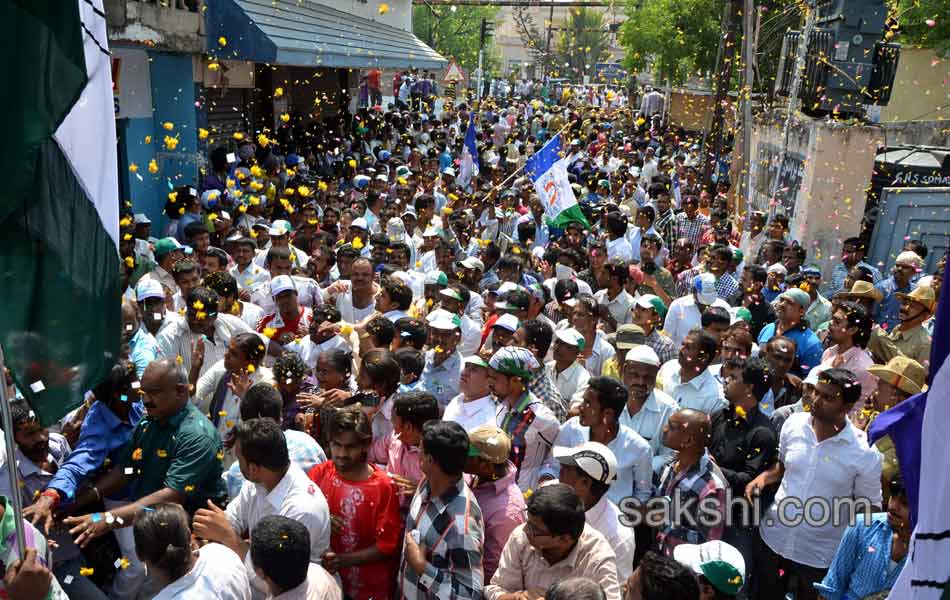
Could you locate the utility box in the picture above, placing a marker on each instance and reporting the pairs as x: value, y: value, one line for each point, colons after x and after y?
x: 848, y: 62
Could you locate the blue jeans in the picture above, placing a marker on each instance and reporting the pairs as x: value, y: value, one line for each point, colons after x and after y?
x: 81, y: 587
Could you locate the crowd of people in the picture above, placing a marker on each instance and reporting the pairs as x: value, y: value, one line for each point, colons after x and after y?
x: 351, y: 370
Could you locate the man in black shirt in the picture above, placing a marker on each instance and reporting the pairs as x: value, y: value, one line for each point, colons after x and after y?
x: 743, y: 444
x: 750, y: 296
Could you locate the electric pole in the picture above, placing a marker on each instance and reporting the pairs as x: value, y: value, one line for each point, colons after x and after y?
x: 712, y: 147
x: 486, y: 31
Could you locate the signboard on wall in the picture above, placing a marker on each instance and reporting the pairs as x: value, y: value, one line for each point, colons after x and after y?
x: 131, y: 87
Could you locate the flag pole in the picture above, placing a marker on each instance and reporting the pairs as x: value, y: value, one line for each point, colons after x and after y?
x: 494, y: 189
x: 7, y: 421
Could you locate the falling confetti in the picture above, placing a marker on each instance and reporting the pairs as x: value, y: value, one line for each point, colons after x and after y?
x: 383, y: 8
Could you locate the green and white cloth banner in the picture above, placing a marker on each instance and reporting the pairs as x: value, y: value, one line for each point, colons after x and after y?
x: 59, y: 209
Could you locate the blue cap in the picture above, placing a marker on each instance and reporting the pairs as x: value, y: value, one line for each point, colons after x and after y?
x: 293, y: 160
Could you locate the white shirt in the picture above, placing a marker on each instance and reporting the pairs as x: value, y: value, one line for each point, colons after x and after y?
x: 395, y: 315
x: 621, y: 307
x: 472, y: 414
x: 703, y: 392
x: 620, y: 248
x: 351, y: 314
x: 683, y: 316
x: 842, y: 466
x: 319, y: 585
x: 605, y: 518
x: 649, y: 422
x: 310, y: 352
x: 471, y: 336
x: 538, y: 439
x: 294, y: 497
x: 250, y: 277
x: 251, y: 313
x: 177, y: 339
x: 571, y: 383
x: 634, y: 459
x: 229, y: 412
x: 218, y: 573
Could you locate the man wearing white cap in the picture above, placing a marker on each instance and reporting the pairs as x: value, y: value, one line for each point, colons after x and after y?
x: 151, y: 299
x: 907, y: 268
x: 686, y: 313
x: 591, y: 469
x: 599, y: 421
x: 143, y: 348
x: 474, y: 406
x: 454, y: 299
x: 279, y: 233
x: 289, y: 320
x: 648, y: 407
x: 443, y: 369
x: 503, y: 331
x: 569, y: 376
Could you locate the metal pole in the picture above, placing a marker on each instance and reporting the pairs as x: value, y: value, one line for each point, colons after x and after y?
x: 749, y: 24
x: 7, y: 420
x: 478, y: 90
x: 800, y: 52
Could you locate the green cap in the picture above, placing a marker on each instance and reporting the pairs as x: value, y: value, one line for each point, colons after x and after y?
x: 165, y: 246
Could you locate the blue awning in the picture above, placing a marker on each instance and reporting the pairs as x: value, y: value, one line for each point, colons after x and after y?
x: 304, y: 33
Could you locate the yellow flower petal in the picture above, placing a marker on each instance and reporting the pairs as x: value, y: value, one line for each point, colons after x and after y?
x: 278, y: 92
x: 168, y: 125
x: 153, y: 166
x: 202, y: 133
x: 222, y: 41
x: 133, y: 168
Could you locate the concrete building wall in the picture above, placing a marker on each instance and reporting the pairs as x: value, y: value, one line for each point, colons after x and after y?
x: 921, y: 88
x: 398, y: 13
x: 823, y: 182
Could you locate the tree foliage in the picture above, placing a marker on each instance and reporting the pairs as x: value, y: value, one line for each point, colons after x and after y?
x: 924, y: 23
x: 454, y: 31
x: 581, y: 43
x: 676, y: 38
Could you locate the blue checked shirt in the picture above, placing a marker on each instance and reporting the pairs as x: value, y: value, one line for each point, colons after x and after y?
x: 691, y: 230
x: 888, y: 311
x: 451, y: 534
x: 862, y: 564
x: 838, y: 275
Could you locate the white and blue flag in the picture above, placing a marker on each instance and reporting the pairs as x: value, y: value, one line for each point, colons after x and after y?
x: 547, y: 168
x: 468, y: 165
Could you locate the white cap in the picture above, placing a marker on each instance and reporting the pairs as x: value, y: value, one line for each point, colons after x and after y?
x: 720, y: 563
x: 643, y: 354
x: 279, y: 227
x: 908, y: 257
x: 705, y: 287
x: 571, y: 337
x: 436, y: 278
x: 149, y: 288
x: 814, y: 373
x: 777, y: 268
x: 360, y: 223
x: 382, y: 178
x: 508, y: 286
x: 507, y: 321
x: 448, y: 171
x: 443, y: 319
x: 141, y: 219
x: 596, y: 460
x: 473, y: 263
x: 281, y: 283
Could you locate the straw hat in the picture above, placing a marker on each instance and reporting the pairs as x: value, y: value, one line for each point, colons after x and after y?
x: 904, y: 373
x: 861, y: 289
x: 922, y: 295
